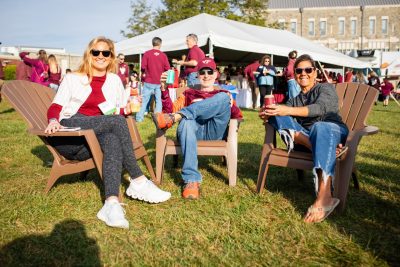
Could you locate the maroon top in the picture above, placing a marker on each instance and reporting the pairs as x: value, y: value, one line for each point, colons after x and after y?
x: 194, y: 53
x: 123, y: 72
x: 55, y: 77
x: 38, y: 69
x: 23, y: 71
x: 289, y: 71
x: 192, y: 94
x: 386, y: 88
x: 91, y: 106
x: 348, y: 78
x: 248, y: 71
x: 154, y: 63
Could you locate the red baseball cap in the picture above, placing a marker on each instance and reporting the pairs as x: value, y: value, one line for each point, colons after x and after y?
x: 207, y: 63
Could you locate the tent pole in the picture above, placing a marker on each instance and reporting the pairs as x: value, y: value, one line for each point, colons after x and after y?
x: 323, y: 71
x: 210, y: 49
x: 140, y: 73
x: 272, y: 59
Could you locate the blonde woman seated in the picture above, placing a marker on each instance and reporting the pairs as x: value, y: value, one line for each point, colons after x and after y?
x: 82, y: 100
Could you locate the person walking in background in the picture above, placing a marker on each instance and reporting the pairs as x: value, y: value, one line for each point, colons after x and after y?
x: 293, y: 86
x: 123, y: 69
x: 265, y: 75
x: 23, y: 71
x: 54, y: 73
x: 348, y: 77
x: 39, y: 66
x: 154, y: 63
x: 339, y: 78
x: 249, y: 75
x: 373, y: 80
x: 194, y: 56
x: 386, y: 89
x: 83, y: 100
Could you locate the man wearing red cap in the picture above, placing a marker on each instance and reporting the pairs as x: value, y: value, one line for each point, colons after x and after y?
x: 202, y: 115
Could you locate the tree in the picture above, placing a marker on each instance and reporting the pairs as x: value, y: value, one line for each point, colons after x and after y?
x: 141, y: 20
x: 248, y: 11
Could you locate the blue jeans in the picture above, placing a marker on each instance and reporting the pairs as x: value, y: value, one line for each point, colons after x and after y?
x: 204, y: 120
x: 324, y: 138
x: 192, y: 80
x: 293, y: 88
x: 147, y: 91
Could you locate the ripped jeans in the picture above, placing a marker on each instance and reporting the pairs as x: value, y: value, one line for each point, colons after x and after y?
x: 324, y: 137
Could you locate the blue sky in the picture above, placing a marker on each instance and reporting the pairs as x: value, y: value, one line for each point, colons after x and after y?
x: 68, y: 24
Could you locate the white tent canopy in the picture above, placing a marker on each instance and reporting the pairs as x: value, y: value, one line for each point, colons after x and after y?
x: 232, y: 41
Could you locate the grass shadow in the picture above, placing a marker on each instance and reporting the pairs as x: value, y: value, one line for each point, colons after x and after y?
x: 10, y: 110
x: 58, y: 248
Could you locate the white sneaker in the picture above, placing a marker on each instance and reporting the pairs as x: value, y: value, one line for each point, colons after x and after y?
x: 147, y: 191
x: 113, y: 214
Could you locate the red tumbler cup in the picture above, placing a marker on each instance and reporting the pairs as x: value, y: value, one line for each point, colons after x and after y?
x: 269, y: 100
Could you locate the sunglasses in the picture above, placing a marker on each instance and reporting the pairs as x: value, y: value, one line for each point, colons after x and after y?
x: 308, y: 70
x: 203, y: 72
x: 96, y: 53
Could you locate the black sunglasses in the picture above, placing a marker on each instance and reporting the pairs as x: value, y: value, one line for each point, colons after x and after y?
x: 308, y: 70
x: 96, y: 53
x: 203, y: 72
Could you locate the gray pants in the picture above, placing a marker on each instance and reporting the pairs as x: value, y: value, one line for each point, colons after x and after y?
x: 113, y: 135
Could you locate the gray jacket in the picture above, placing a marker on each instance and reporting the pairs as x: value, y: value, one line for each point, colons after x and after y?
x: 322, y: 103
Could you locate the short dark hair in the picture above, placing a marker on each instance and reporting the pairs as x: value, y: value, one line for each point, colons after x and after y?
x: 156, y: 41
x: 304, y: 57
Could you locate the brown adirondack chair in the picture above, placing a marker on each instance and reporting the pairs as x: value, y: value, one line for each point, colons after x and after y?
x: 226, y: 148
x: 355, y: 103
x: 32, y: 100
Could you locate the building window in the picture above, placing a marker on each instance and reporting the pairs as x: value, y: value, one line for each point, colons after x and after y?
x: 385, y: 24
x: 311, y: 27
x: 372, y: 25
x: 281, y: 23
x: 353, y: 27
x: 341, y: 26
x: 322, y: 27
x: 293, y: 26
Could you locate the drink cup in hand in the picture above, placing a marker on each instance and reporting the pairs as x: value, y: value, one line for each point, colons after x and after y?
x: 269, y: 100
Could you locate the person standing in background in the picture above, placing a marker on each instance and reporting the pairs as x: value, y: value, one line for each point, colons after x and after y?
x: 54, y: 73
x: 293, y: 86
x: 194, y: 57
x: 154, y: 63
x: 123, y: 69
x: 348, y: 77
x: 249, y: 75
x: 265, y: 77
x: 39, y: 66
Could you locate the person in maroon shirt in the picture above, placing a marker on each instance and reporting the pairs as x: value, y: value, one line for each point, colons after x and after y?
x: 123, y: 69
x: 249, y: 75
x: 82, y: 100
x: 193, y: 58
x: 1, y: 70
x: 54, y: 73
x: 348, y: 77
x: 154, y: 63
x: 23, y: 71
x: 293, y: 86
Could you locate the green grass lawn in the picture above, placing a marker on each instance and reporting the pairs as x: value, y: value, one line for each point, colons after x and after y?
x: 227, y: 227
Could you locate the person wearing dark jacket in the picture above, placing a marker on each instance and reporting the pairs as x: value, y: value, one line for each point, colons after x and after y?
x: 312, y: 120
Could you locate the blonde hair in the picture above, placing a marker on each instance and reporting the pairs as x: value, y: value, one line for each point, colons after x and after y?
x: 86, y: 66
x: 53, y: 65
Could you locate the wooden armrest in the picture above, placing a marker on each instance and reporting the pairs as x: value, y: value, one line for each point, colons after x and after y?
x: 369, y: 130
x: 40, y: 132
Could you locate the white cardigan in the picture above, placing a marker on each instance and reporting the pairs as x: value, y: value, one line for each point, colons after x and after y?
x: 75, y: 89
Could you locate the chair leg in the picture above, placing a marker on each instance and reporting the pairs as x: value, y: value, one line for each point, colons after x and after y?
x: 55, y: 173
x: 232, y: 170
x: 150, y: 168
x: 262, y: 177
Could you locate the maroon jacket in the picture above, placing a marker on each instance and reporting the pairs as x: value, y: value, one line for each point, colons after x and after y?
x: 248, y: 71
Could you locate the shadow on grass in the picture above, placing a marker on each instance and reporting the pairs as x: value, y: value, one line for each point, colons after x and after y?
x: 10, y: 110
x: 67, y: 245
x: 370, y: 220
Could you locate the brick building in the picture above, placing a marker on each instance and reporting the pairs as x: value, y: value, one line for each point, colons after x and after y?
x: 341, y: 25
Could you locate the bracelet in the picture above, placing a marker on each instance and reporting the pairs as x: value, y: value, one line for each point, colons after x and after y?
x: 53, y: 120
